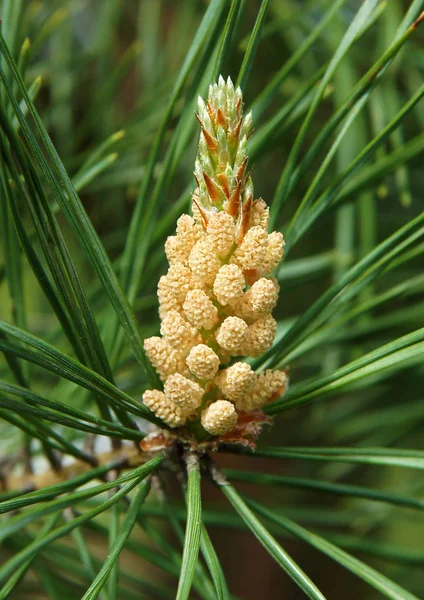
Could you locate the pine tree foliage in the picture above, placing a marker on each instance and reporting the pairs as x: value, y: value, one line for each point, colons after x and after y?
x: 308, y: 493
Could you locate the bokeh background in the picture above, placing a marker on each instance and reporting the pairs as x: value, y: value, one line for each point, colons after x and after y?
x: 108, y: 67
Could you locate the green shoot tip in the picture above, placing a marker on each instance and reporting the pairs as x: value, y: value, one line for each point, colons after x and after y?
x: 26, y: 45
x: 118, y: 135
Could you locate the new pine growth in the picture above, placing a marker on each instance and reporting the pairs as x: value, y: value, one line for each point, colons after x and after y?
x: 216, y: 300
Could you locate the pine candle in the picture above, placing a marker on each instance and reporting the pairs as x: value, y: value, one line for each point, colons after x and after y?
x: 216, y: 300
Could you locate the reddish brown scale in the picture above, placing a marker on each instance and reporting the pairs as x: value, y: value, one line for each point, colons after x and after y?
x: 219, y: 118
x: 238, y: 107
x: 241, y: 169
x: 249, y: 426
x: 234, y: 201
x: 236, y: 131
x: 208, y: 388
x: 210, y: 110
x: 249, y: 175
x: 205, y: 219
x: 251, y: 276
x: 211, y: 142
x: 277, y: 394
x: 155, y: 442
x: 245, y: 433
x: 223, y: 180
x: 245, y: 218
x: 214, y: 191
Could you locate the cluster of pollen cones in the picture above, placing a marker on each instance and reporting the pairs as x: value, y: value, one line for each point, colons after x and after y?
x: 217, y: 297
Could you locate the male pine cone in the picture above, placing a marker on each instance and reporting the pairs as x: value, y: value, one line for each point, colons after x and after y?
x: 216, y: 300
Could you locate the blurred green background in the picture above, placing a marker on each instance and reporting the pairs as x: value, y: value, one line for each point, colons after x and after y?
x: 107, y: 68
